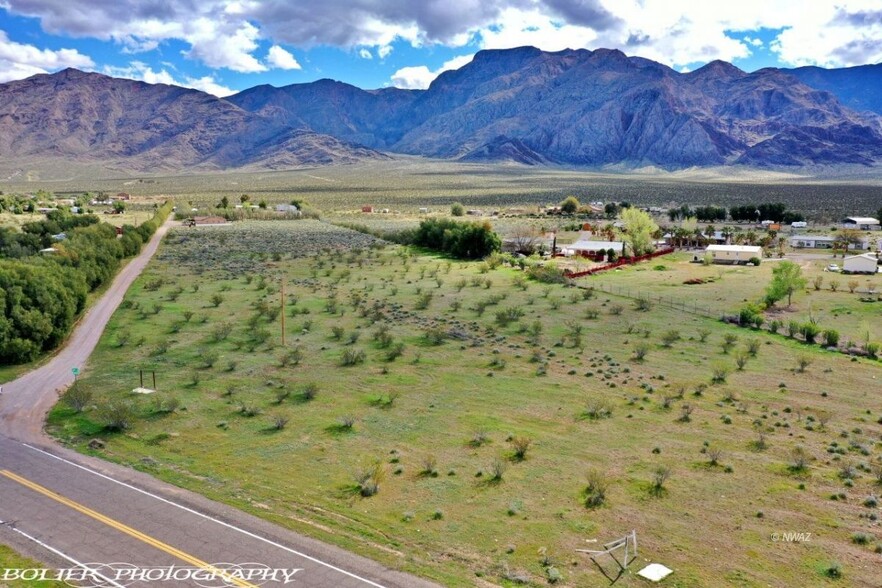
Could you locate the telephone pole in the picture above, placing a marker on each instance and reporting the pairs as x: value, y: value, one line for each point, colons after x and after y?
x: 283, y: 312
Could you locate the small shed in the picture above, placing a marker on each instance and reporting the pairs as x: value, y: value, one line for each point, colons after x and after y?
x: 734, y: 253
x: 863, y: 223
x: 865, y: 263
x: 367, y: 208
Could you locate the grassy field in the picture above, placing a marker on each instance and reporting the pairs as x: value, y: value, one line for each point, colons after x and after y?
x: 408, y: 184
x: 455, y: 365
x: 727, y: 288
x: 10, y: 559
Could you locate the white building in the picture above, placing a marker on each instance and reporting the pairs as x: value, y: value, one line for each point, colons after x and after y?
x: 824, y: 242
x: 586, y: 248
x: 734, y: 253
x: 863, y: 223
x: 865, y: 263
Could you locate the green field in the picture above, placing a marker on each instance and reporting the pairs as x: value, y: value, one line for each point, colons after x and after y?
x: 728, y: 288
x: 487, y: 360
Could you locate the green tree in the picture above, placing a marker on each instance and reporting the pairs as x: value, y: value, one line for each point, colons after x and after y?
x: 787, y: 278
x: 570, y: 205
x: 639, y: 228
x: 457, y: 209
x: 225, y: 202
x: 119, y: 206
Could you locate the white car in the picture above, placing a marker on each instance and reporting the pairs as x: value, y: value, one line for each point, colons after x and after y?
x: 832, y: 267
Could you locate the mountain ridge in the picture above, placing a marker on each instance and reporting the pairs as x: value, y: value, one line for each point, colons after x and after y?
x: 523, y: 105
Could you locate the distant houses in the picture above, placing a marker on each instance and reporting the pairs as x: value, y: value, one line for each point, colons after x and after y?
x: 865, y: 263
x: 734, y: 254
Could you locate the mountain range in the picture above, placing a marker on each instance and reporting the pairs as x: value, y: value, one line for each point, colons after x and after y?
x: 523, y: 105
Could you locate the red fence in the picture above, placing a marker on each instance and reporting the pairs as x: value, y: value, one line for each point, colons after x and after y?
x: 620, y: 262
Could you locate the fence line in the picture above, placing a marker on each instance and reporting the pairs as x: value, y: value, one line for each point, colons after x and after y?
x: 620, y: 262
x: 667, y: 301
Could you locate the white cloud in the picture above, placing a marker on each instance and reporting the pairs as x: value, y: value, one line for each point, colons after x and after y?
x: 365, y: 53
x: 419, y: 77
x: 281, y: 59
x: 18, y: 60
x: 138, y: 70
x: 227, y: 33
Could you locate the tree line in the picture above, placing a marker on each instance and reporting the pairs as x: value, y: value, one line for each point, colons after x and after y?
x: 42, y: 295
x: 776, y: 211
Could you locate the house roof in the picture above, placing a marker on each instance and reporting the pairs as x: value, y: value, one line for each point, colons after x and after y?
x: 861, y: 220
x: 863, y: 255
x: 742, y: 248
x: 596, y: 245
x: 812, y: 238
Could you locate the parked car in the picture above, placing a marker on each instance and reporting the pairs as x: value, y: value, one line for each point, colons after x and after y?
x: 832, y: 268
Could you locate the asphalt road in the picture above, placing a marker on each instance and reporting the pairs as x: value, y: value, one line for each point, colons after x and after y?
x: 127, y: 528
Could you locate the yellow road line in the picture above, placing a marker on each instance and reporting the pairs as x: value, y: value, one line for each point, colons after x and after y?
x: 126, y: 529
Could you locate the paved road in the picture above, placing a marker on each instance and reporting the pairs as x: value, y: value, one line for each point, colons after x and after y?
x: 71, y: 510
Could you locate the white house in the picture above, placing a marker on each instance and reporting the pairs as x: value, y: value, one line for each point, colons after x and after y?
x: 594, y: 249
x: 864, y: 223
x: 734, y: 253
x: 823, y: 242
x: 865, y: 263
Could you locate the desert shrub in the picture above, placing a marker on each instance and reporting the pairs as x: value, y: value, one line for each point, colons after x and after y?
x: 659, y: 477
x: 429, y: 466
x: 520, y: 445
x: 686, y: 411
x: 799, y: 460
x: 809, y: 332
x: 670, y: 337
x: 434, y: 335
x: 497, y: 469
x: 368, y: 478
x: 719, y: 373
x: 546, y: 273
x: 753, y: 347
x: 278, y: 422
x: 802, y: 362
x: 216, y: 300
x: 595, y: 489
x: 117, y: 415
x: 643, y: 304
x: 310, y: 391
x: 741, y: 358
x: 640, y: 351
x: 831, y: 337
x: 597, y: 410
x: 352, y: 356
x: 394, y: 351
x: 77, y: 397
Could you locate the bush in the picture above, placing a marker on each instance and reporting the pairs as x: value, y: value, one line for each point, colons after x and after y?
x: 640, y: 351
x: 595, y: 490
x: 457, y: 209
x: 117, y: 416
x: 660, y: 475
x: 368, y: 479
x: 570, y: 205
x: 352, y: 356
x: 520, y: 445
x: 77, y: 397
x: 754, y: 261
x: 809, y: 332
x: 831, y: 338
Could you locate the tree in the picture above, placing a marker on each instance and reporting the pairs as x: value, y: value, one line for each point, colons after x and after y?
x: 847, y: 237
x: 639, y: 228
x: 225, y: 202
x: 570, y: 205
x: 457, y: 209
x: 787, y: 278
x: 244, y: 198
x: 119, y: 206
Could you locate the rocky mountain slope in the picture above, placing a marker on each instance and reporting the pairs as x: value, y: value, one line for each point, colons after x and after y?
x: 573, y: 107
x: 90, y: 117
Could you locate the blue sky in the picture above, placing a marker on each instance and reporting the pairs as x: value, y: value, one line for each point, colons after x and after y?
x: 222, y: 46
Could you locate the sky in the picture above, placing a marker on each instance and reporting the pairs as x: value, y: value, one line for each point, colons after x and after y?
x: 225, y: 46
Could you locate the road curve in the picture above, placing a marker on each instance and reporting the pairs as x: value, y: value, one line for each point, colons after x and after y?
x: 65, y: 508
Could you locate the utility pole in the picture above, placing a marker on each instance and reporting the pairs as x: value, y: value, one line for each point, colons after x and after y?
x: 283, y: 312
